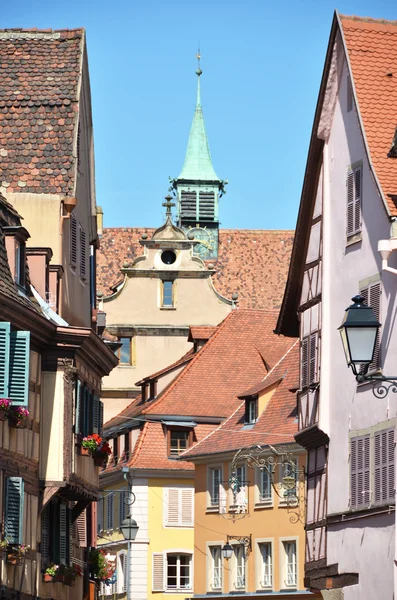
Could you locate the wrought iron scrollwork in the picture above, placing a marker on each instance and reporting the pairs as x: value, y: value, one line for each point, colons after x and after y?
x: 380, y: 389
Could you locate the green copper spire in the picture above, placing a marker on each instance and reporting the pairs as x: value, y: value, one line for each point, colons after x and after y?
x: 198, y: 163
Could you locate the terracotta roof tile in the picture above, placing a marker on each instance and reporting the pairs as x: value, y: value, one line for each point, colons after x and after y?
x: 200, y: 332
x: 40, y: 75
x: 372, y: 50
x: 276, y: 425
x: 253, y: 263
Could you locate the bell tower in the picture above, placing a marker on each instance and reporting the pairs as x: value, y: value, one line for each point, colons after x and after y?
x: 198, y: 188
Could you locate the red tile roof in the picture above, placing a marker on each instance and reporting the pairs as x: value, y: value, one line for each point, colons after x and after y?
x: 372, y: 51
x: 178, y: 363
x: 200, y: 332
x: 253, y: 263
x: 40, y: 82
x: 276, y: 425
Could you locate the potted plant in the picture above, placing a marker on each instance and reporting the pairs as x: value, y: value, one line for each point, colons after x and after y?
x: 50, y: 573
x: 16, y: 553
x: 4, y: 408
x: 89, y: 444
x: 102, y: 570
x: 101, y: 454
x: 18, y: 416
x: 72, y: 573
x: 60, y: 573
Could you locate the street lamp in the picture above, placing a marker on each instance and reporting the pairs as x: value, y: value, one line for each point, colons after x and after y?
x: 129, y: 528
x: 245, y: 540
x: 359, y: 331
x: 227, y: 551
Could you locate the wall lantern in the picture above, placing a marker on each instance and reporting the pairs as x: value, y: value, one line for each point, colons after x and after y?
x: 227, y: 551
x: 359, y: 331
x: 129, y: 528
x: 244, y: 540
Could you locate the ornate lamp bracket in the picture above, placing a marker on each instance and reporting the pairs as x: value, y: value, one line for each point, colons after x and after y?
x: 244, y: 540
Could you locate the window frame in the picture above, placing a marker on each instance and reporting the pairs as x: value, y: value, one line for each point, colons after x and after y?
x: 259, y: 543
x: 162, y: 295
x: 354, y: 202
x: 189, y: 440
x: 251, y: 411
x: 213, y: 499
x: 239, y: 549
x: 284, y: 585
x: 180, y: 494
x: 117, y: 352
x: 260, y: 500
x: 211, y: 547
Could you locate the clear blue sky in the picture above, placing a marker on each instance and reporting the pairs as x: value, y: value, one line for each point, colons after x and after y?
x: 262, y: 63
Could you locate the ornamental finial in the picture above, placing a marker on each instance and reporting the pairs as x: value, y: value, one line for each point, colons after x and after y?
x: 168, y: 204
x: 198, y: 56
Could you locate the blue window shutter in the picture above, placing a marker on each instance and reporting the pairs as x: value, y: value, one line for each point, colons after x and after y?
x: 95, y: 414
x: 4, y: 358
x: 63, y: 537
x: 19, y: 367
x: 79, y: 390
x: 14, y: 510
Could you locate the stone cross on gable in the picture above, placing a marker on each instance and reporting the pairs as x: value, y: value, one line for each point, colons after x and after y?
x: 168, y: 205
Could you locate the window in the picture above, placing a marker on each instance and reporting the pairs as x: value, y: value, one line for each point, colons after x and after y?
x: 215, y: 477
x: 309, y: 360
x: 238, y: 487
x: 124, y: 353
x: 289, y: 568
x: 266, y: 577
x: 288, y: 477
x: 172, y: 571
x: 55, y: 533
x: 178, y: 442
x: 265, y: 486
x: 239, y: 555
x: 178, y: 507
x: 14, y: 364
x: 372, y: 296
x: 83, y: 257
x: 216, y: 567
x: 89, y: 411
x: 73, y: 241
x: 354, y: 193
x: 167, y: 293
x: 251, y: 411
x: 13, y: 517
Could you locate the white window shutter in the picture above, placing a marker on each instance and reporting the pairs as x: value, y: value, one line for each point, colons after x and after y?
x: 81, y: 526
x: 173, y: 506
x: 158, y: 571
x: 360, y: 471
x: 125, y: 571
x: 187, y: 495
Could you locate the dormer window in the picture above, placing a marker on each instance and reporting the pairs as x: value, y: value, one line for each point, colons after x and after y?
x: 251, y: 411
x: 16, y: 252
x: 179, y: 440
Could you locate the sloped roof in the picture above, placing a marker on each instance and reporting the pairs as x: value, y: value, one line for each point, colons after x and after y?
x: 200, y: 332
x: 253, y: 263
x: 178, y: 363
x: 276, y: 425
x: 372, y: 50
x: 40, y: 76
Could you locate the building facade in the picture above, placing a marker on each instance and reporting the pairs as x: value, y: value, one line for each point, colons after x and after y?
x: 347, y: 206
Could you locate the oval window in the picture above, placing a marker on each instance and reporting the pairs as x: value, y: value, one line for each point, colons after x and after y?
x: 168, y: 257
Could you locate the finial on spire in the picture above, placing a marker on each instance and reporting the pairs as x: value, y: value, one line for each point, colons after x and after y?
x: 168, y: 204
x: 198, y: 56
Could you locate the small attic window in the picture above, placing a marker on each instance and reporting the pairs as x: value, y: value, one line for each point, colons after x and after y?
x: 349, y: 94
x: 251, y: 411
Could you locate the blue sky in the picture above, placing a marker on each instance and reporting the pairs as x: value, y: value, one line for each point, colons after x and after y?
x: 262, y: 63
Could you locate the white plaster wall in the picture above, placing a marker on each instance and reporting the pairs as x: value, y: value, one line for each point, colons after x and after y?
x: 139, y: 548
x: 344, y: 407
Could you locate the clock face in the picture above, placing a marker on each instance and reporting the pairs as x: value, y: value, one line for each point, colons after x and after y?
x: 206, y: 248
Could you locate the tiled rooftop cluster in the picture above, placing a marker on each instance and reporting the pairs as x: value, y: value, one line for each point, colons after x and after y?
x: 40, y: 74
x: 372, y: 50
x: 253, y: 263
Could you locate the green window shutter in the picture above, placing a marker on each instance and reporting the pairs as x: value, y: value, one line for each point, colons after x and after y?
x: 4, y: 358
x: 100, y: 418
x: 19, y: 367
x: 63, y: 534
x: 95, y: 414
x: 44, y: 545
x: 14, y: 510
x: 79, y: 391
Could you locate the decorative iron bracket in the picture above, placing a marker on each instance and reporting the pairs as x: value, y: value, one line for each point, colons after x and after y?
x: 381, y: 384
x: 244, y: 540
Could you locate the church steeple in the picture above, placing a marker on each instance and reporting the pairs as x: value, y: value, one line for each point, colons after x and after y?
x: 198, y: 188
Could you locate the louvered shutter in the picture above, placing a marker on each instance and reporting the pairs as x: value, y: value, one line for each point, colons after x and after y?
x: 110, y: 507
x: 81, y: 526
x: 384, y: 466
x: 95, y: 414
x: 305, y: 363
x: 100, y: 514
x: 73, y: 241
x: 83, y: 253
x: 63, y: 534
x: 125, y: 571
x: 45, y: 525
x: 79, y: 407
x: 172, y: 499
x: 357, y: 200
x: 187, y: 506
x: 122, y: 507
x: 372, y: 297
x: 158, y: 571
x: 354, y: 186
x: 390, y: 466
x: 100, y: 425
x: 18, y: 383
x: 188, y: 205
x: 4, y: 358
x: 312, y: 358
x: 207, y: 206
x: 350, y: 204
x: 360, y: 471
x: 14, y: 510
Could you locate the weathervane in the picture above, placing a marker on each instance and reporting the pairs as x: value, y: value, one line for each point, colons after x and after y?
x: 198, y: 56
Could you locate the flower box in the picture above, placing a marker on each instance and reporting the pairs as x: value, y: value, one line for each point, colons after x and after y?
x: 84, y: 451
x: 17, y: 423
x: 3, y: 414
x: 47, y: 578
x: 13, y: 559
x: 99, y: 458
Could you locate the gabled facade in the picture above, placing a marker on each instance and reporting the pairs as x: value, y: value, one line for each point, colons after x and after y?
x: 178, y: 407
x: 347, y: 206
x: 258, y: 516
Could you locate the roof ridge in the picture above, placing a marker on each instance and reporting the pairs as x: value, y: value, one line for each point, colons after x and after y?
x: 38, y: 30
x: 368, y: 20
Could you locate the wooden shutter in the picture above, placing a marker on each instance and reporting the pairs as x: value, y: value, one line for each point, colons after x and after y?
x: 100, y: 425
x: 81, y: 526
x: 384, y: 466
x: 5, y: 329
x: 187, y: 506
x: 63, y: 534
x: 83, y: 253
x: 354, y: 186
x: 313, y: 358
x: 305, y: 363
x: 79, y: 407
x: 18, y: 388
x: 45, y: 525
x: 372, y: 297
x: 158, y: 571
x: 125, y: 571
x: 95, y: 414
x: 13, y: 525
x: 172, y: 499
x: 73, y: 241
x: 100, y: 514
x: 360, y: 471
x: 122, y: 506
x: 110, y: 507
